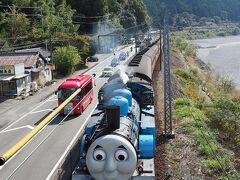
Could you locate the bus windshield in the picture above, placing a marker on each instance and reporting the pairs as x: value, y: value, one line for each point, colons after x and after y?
x: 63, y: 94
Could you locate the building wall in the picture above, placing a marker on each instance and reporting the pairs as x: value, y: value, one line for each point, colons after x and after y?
x: 23, y: 84
x: 19, y: 69
x: 8, y: 88
x: 48, y: 74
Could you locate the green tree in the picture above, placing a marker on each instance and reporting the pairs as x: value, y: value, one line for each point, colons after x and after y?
x: 114, y: 6
x: 22, y: 2
x: 56, y: 19
x: 140, y: 11
x: 66, y: 59
x: 184, y: 19
x: 82, y: 43
x: 128, y: 20
x: 90, y: 7
x: 16, y: 24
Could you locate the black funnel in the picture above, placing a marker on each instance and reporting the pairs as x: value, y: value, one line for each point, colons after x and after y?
x: 113, y: 117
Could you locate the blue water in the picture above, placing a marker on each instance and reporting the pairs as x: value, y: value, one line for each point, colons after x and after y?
x: 223, y: 56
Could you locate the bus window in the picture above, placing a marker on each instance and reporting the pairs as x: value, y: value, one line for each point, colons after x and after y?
x: 81, y: 94
x: 63, y: 94
x: 88, y: 88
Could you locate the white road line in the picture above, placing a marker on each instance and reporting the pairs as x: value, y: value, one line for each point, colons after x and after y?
x: 34, y: 112
x: 8, y: 161
x: 20, y: 115
x: 75, y: 137
x: 25, y: 115
x: 28, y: 126
x: 50, y: 100
x: 69, y: 146
x: 49, y: 134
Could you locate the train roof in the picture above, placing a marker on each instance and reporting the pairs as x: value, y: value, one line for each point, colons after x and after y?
x: 75, y: 81
x: 145, y: 61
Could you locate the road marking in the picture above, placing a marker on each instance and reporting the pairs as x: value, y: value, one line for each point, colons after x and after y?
x: 25, y: 115
x: 111, y: 56
x: 49, y: 134
x: 50, y: 100
x: 69, y: 146
x: 28, y: 126
x: 34, y: 112
x: 75, y: 137
x: 8, y: 161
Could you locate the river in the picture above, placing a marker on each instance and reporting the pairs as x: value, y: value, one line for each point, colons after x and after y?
x: 223, y: 56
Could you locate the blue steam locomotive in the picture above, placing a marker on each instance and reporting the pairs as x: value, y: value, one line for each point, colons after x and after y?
x: 119, y: 141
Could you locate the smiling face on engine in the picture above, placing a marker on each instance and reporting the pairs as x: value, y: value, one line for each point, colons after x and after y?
x: 111, y: 157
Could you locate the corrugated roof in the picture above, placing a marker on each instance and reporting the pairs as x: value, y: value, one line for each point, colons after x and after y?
x: 6, y: 78
x: 42, y: 51
x: 29, y: 59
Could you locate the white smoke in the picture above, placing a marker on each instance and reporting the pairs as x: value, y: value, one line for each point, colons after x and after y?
x: 121, y: 75
x: 122, y: 72
x: 107, y: 40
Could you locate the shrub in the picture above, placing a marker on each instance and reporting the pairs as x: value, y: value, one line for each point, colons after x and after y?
x: 192, y: 90
x: 181, y: 43
x: 186, y: 76
x: 182, y: 102
x: 226, y: 84
x: 65, y: 59
x: 184, y: 112
x: 217, y: 164
x: 225, y: 116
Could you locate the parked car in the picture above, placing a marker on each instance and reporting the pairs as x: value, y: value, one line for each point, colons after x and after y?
x: 92, y: 59
x: 122, y: 56
x: 114, y: 62
x: 107, y: 72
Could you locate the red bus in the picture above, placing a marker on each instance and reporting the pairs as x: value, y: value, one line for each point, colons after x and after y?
x: 82, y: 100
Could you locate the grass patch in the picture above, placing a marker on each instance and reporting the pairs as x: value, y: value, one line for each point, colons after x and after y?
x: 216, y: 108
x: 216, y: 165
x: 193, y: 121
x: 186, y: 76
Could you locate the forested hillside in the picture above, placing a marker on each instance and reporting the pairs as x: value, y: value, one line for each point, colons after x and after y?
x: 25, y: 21
x: 185, y: 12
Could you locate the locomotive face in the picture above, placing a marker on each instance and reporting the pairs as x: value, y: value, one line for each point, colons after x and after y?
x: 111, y: 157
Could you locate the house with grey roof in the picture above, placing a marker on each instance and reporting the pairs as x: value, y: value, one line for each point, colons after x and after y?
x: 18, y: 70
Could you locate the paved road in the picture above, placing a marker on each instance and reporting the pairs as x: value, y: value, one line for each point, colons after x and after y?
x: 38, y: 157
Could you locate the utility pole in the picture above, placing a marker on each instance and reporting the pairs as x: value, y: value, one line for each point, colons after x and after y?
x: 168, y: 131
x: 98, y: 43
x: 41, y: 11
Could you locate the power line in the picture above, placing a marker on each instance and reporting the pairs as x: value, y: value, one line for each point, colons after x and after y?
x: 93, y: 17
x: 31, y: 15
x: 18, y: 37
x: 21, y: 7
x: 93, y: 22
x: 117, y: 30
x: 24, y: 46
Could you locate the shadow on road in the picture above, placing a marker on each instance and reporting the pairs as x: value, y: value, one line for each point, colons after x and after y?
x: 57, y: 119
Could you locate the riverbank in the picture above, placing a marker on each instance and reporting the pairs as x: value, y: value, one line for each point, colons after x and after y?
x: 210, y: 31
x: 222, y: 55
x: 206, y: 121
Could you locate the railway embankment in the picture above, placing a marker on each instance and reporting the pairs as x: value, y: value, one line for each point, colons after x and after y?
x: 206, y: 120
